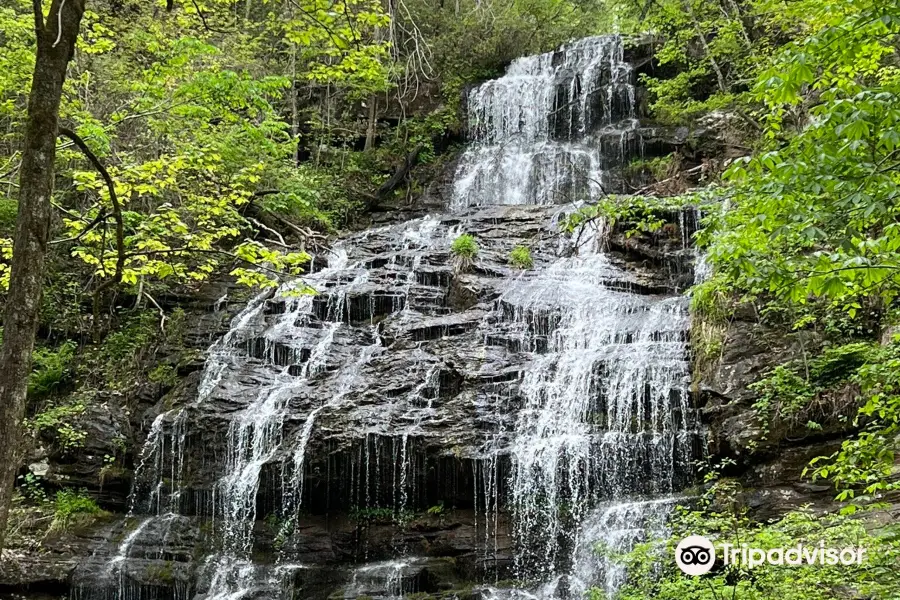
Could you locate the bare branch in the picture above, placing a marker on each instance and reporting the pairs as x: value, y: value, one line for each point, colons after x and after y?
x: 162, y: 314
x: 281, y: 241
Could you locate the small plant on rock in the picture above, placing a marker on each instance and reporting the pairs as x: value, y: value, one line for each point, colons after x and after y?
x: 464, y: 250
x: 59, y: 423
x: 73, y: 509
x: 30, y: 487
x: 52, y: 369
x: 520, y: 258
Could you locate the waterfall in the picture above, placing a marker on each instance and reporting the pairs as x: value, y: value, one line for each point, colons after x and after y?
x: 605, y: 403
x: 543, y: 410
x: 550, y: 130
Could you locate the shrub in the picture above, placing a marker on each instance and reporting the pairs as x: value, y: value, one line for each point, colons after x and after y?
x: 372, y: 514
x: 163, y: 374
x: 73, y: 509
x: 57, y: 422
x: 437, y: 510
x: 464, y: 250
x: 520, y: 258
x: 30, y: 487
x: 51, y: 369
x: 806, y: 391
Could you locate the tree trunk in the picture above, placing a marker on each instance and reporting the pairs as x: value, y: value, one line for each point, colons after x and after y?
x: 720, y: 77
x: 55, y: 46
x: 370, y: 128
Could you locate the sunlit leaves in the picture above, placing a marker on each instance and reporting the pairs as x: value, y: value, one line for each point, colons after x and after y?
x: 16, y: 65
x: 96, y: 37
x: 338, y: 43
x: 181, y: 240
x: 6, y: 252
x: 816, y: 215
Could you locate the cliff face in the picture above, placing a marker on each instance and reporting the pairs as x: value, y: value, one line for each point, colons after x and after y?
x: 424, y: 424
x: 769, y: 459
x: 410, y: 415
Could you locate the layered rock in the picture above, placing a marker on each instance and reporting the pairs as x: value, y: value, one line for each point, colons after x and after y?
x: 410, y: 428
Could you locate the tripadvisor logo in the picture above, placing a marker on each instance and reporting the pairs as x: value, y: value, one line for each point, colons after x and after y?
x: 696, y: 555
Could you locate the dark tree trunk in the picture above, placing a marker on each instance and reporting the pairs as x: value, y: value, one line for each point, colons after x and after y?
x: 55, y: 45
x: 388, y: 187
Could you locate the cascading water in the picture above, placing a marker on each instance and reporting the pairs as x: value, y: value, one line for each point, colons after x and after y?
x: 605, y: 404
x: 551, y: 130
x: 544, y: 410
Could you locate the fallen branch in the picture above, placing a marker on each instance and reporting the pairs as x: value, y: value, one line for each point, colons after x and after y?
x: 270, y: 230
x: 399, y: 175
x: 162, y: 313
x: 306, y: 234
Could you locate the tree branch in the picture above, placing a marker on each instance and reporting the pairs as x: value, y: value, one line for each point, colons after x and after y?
x: 281, y: 241
x: 101, y: 216
x: 399, y: 175
x: 203, y: 19
x: 117, y: 209
x: 38, y: 16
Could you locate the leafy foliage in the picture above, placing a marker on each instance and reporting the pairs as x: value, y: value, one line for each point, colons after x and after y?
x: 32, y: 489
x: 812, y: 215
x: 50, y: 369
x: 636, y: 214
x: 73, y: 509
x: 805, y: 391
x: 58, y: 422
x: 720, y: 516
x: 520, y: 258
x: 864, y: 467
x: 437, y: 510
x: 807, y: 229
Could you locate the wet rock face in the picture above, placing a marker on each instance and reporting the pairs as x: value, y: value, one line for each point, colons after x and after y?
x: 426, y: 372
x: 416, y: 389
x: 410, y: 428
x: 769, y: 461
x: 107, y: 430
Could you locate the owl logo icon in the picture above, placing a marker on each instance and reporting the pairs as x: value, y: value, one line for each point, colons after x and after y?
x: 695, y: 555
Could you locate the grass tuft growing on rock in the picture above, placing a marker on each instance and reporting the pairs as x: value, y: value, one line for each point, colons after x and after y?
x: 74, y: 509
x: 464, y: 250
x: 520, y: 258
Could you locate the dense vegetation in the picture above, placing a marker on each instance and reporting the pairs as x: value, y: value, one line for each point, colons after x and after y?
x: 807, y: 230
